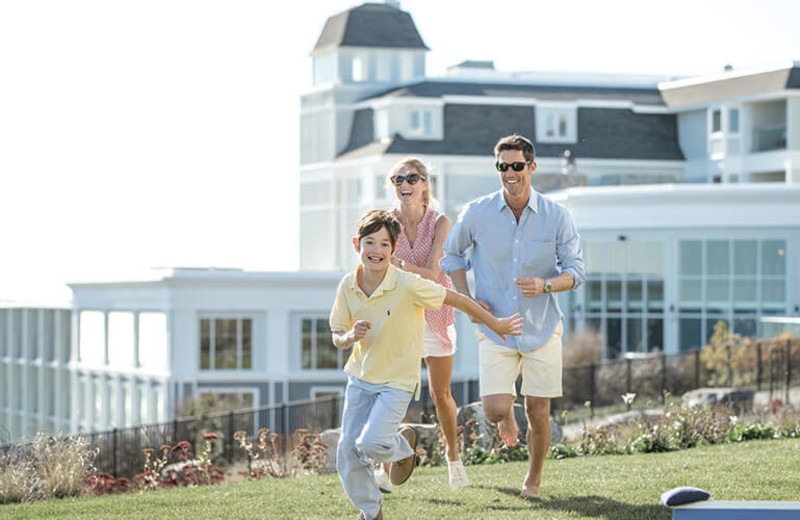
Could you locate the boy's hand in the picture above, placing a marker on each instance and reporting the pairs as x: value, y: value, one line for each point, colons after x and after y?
x: 510, y: 325
x: 360, y: 330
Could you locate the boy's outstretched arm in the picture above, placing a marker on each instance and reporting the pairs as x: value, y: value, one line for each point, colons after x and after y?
x: 345, y: 340
x: 502, y: 326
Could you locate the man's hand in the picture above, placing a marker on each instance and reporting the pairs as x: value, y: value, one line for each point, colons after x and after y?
x: 530, y: 287
x: 485, y: 305
x: 510, y: 325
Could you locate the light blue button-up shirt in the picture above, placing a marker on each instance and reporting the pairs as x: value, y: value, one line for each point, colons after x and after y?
x: 544, y: 244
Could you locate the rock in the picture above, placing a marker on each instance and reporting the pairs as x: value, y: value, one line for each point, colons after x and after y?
x: 739, y: 400
x: 331, y: 438
x: 575, y: 430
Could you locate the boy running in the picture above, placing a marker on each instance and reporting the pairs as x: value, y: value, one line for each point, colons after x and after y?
x: 379, y: 310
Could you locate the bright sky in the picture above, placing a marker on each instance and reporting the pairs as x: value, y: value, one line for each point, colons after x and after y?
x: 165, y: 132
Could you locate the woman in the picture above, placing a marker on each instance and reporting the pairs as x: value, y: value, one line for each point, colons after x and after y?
x: 419, y: 249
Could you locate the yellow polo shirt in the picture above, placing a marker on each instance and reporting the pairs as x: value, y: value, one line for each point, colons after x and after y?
x: 391, y: 352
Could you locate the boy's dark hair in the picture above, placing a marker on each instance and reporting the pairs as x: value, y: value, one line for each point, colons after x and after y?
x: 376, y: 219
x: 516, y: 142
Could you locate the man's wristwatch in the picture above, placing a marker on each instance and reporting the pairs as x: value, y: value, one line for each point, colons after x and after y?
x: 547, y: 287
x: 402, y: 264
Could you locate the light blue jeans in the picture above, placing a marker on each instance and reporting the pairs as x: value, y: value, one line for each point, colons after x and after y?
x: 371, y: 418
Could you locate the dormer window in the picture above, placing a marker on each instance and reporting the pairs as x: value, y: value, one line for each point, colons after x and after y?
x: 420, y: 121
x: 556, y: 124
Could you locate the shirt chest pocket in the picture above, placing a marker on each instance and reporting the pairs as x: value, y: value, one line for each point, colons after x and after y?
x: 539, y: 258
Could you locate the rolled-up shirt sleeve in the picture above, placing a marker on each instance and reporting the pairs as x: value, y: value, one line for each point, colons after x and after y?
x: 456, y: 245
x: 568, y: 251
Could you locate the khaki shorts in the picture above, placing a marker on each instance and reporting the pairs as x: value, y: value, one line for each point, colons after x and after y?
x: 541, y: 367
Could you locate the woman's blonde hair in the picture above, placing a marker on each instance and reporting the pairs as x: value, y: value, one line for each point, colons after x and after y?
x: 427, y: 196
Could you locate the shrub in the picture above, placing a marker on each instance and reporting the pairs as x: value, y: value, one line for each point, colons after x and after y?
x: 46, y: 467
x: 741, y: 432
x: 279, y: 457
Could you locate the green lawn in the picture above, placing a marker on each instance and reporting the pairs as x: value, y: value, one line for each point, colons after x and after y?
x: 610, y: 487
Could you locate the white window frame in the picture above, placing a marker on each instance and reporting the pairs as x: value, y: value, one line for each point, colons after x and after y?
x: 341, y: 355
x: 316, y: 390
x: 212, y: 347
x: 252, y: 390
x: 566, y: 112
x: 424, y: 122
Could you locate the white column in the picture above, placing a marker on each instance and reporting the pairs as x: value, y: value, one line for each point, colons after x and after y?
x: 75, y: 336
x: 165, y: 403
x: 75, y: 391
x: 149, y: 396
x: 136, y: 404
x: 105, y: 338
x: 88, y: 402
x: 25, y: 356
x: 44, y: 378
x: 135, y: 361
x: 105, y: 399
x: 118, y: 405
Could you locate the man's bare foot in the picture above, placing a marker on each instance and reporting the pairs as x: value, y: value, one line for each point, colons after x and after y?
x: 509, y: 431
x: 529, y: 489
x: 529, y: 492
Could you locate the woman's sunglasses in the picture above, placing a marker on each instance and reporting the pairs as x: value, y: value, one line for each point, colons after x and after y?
x: 516, y: 166
x: 411, y: 178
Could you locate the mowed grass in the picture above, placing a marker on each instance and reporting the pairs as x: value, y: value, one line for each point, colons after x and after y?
x: 608, y: 487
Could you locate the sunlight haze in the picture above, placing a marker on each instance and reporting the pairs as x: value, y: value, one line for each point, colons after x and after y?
x: 166, y: 133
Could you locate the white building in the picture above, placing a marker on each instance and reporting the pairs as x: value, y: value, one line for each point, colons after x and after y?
x: 686, y: 194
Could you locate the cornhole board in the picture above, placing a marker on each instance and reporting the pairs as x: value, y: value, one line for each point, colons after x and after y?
x: 737, y: 510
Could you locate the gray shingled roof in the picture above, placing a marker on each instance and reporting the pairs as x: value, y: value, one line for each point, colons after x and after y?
x: 731, y: 85
x: 370, y: 25
x: 433, y: 89
x: 603, y: 133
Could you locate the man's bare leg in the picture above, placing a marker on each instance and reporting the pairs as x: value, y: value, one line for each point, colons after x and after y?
x: 537, y: 409
x: 499, y: 408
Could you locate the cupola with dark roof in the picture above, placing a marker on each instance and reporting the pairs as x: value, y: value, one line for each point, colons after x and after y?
x: 371, y: 44
x: 370, y: 25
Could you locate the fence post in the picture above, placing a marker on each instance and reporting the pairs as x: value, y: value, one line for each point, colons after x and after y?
x: 759, y: 368
x: 730, y: 366
x: 229, y: 439
x: 771, y: 372
x: 697, y: 368
x: 592, y: 368
x: 174, y: 431
x: 628, y: 382
x: 114, y: 448
x: 788, y: 364
x: 663, y: 378
x: 284, y: 426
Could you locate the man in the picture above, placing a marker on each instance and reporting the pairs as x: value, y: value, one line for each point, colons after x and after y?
x: 524, y: 249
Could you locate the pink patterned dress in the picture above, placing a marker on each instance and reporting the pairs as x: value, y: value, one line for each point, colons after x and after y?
x: 418, y: 254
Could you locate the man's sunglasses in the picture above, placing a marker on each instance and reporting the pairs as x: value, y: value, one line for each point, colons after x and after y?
x: 516, y: 166
x: 411, y: 178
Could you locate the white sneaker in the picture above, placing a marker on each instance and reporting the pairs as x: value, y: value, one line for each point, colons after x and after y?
x: 458, y: 475
x: 384, y: 483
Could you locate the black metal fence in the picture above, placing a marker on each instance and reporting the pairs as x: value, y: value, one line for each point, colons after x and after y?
x: 120, y: 450
x: 764, y: 365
